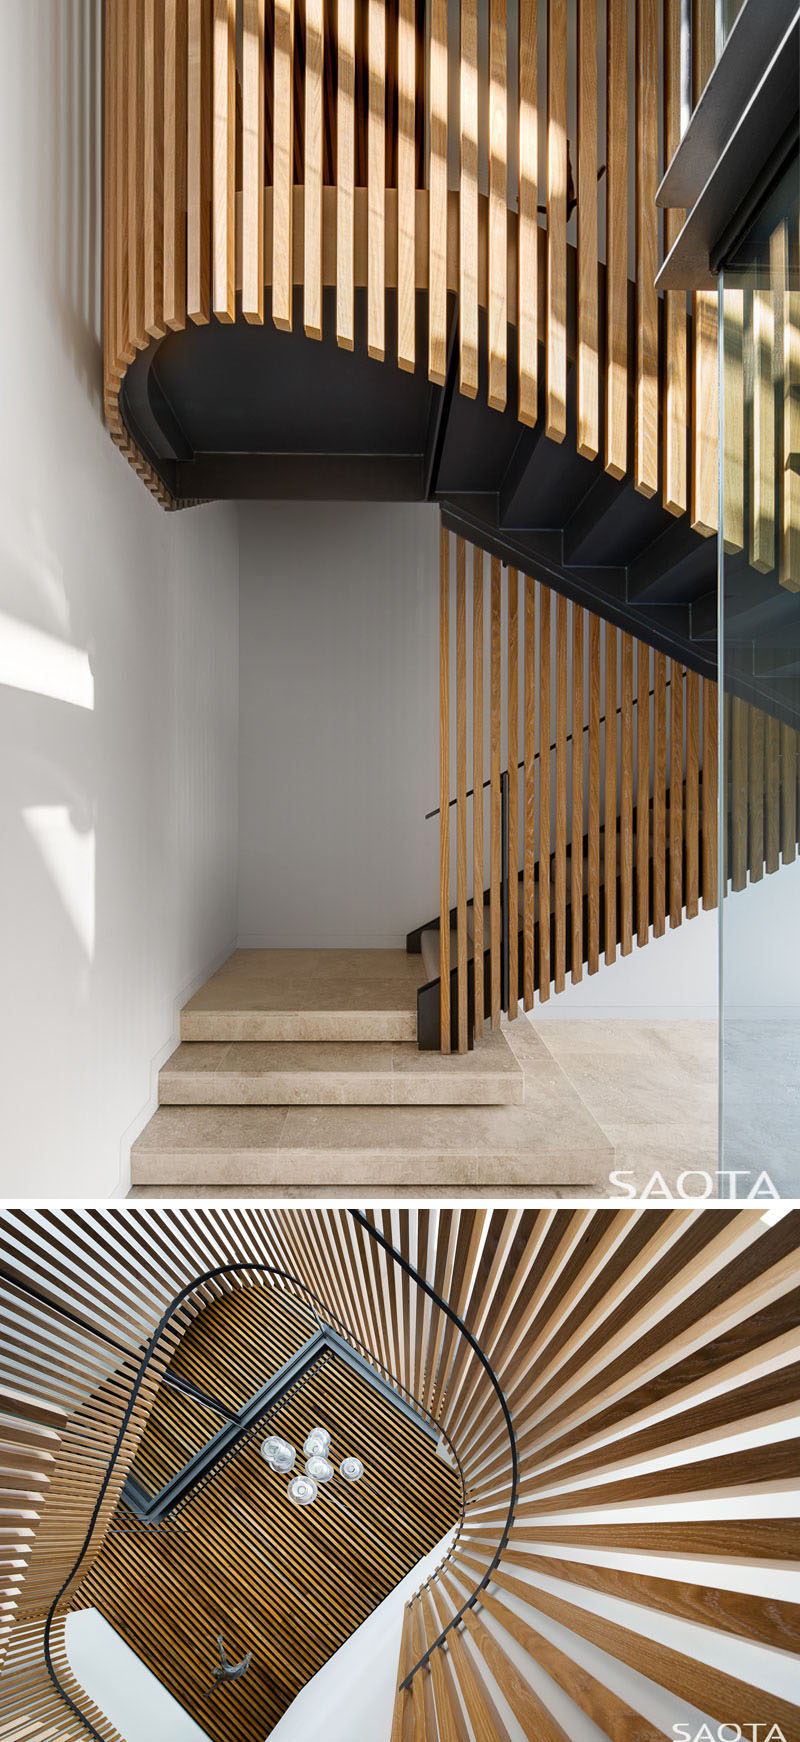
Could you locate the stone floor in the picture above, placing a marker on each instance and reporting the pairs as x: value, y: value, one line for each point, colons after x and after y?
x: 639, y: 1098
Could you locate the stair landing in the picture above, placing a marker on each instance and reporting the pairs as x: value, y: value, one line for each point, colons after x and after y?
x: 307, y: 995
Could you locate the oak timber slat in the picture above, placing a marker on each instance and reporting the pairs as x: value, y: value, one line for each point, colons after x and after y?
x: 345, y: 171
x: 530, y: 843
x: 495, y: 750
x: 544, y: 793
x: 704, y: 490
x: 610, y: 794
x: 556, y: 374
x: 134, y: 74
x: 174, y: 165
x: 789, y: 530
x: 437, y: 201
x: 283, y: 164
x: 560, y: 881
x: 576, y: 868
x: 478, y: 877
x: 710, y: 784
x: 642, y: 793
x: 737, y: 808
x: 676, y: 795
x: 675, y: 404
x: 468, y: 202
x: 646, y: 436
x: 224, y: 160
x: 692, y: 819
x: 762, y: 478
x: 153, y: 76
x: 198, y: 159
x: 616, y: 432
x: 313, y: 129
x: 253, y: 111
x: 376, y: 171
x: 789, y: 783
x: 659, y: 793
x: 498, y: 192
x: 513, y: 793
x: 588, y: 435
x: 593, y: 820
x: 626, y: 796
x: 755, y: 794
x: 444, y: 788
x: 461, y: 780
x: 406, y: 185
x: 733, y: 458
x: 528, y: 225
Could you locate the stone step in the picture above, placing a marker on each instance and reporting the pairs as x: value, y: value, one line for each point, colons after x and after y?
x: 370, y: 1147
x: 328, y: 1073
x: 307, y: 995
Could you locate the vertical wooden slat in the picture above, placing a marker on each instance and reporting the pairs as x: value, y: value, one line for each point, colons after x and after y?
x: 461, y: 788
x: 109, y: 209
x: 560, y: 882
x: 312, y: 168
x: 154, y: 168
x: 755, y: 787
x: 513, y: 794
x: 588, y: 300
x: 710, y: 789
x: 675, y: 352
x: 174, y: 162
x: 642, y: 793
x: 772, y: 794
x: 498, y: 217
x: 610, y: 805
x: 468, y: 203
x: 198, y: 157
x: 121, y: 187
x: 626, y: 796
x: 704, y: 501
x: 556, y: 338
x: 345, y: 172
x: 283, y: 165
x: 444, y: 788
x: 616, y: 444
x: 576, y: 869
x: 738, y: 792
x: 544, y: 793
x: 645, y: 473
x: 495, y: 813
x: 135, y: 77
x: 762, y: 473
x: 734, y: 493
x: 253, y: 108
x: 692, y: 823
x: 224, y: 160
x: 528, y: 225
x: 478, y: 878
x: 437, y: 194
x: 676, y: 794
x: 406, y: 185
x: 789, y: 554
x: 659, y: 793
x: 788, y: 794
x: 376, y: 178
x: 529, y: 853
x: 593, y: 843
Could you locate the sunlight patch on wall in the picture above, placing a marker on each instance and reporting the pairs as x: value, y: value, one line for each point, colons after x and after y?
x: 69, y: 854
x: 30, y: 659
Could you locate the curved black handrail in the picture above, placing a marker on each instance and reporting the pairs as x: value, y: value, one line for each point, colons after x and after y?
x: 167, y: 1316
x: 364, y: 1222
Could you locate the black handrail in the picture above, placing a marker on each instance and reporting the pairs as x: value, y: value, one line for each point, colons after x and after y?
x: 486, y: 1364
x: 150, y: 1348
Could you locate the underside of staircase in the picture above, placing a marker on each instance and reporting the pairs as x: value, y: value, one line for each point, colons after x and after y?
x: 301, y: 1068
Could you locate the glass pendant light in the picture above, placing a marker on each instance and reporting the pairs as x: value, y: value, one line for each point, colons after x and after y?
x: 320, y: 1469
x: 318, y: 1443
x: 279, y: 1454
x: 302, y: 1491
x: 351, y: 1468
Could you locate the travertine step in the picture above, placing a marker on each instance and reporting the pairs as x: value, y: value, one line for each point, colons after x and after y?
x: 307, y: 995
x: 369, y: 1147
x: 329, y: 1073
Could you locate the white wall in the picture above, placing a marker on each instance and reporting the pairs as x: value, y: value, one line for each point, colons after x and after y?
x: 673, y: 977
x: 121, y: 1686
x: 338, y: 723
x: 118, y: 668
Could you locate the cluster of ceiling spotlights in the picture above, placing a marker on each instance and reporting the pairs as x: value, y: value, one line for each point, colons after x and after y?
x: 304, y: 1488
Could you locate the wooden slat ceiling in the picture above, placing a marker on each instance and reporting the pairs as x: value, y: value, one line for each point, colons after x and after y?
x: 236, y: 1558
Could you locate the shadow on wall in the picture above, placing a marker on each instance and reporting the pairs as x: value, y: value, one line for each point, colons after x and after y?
x: 62, y: 47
